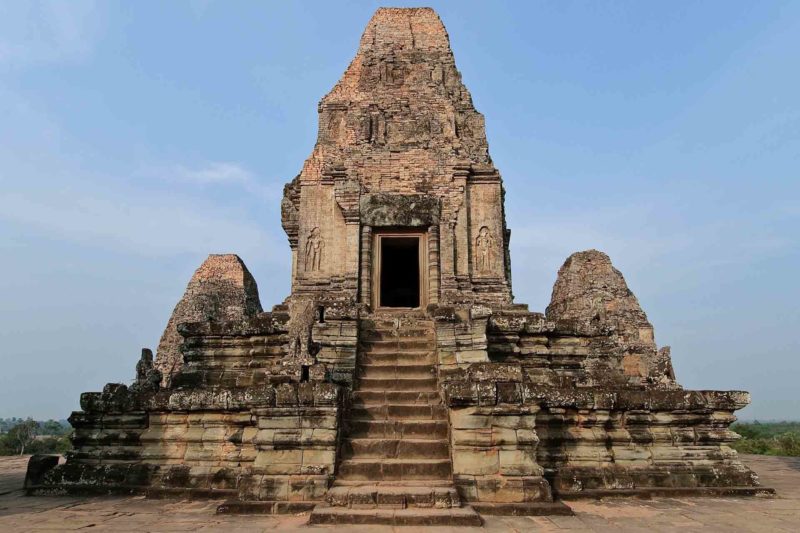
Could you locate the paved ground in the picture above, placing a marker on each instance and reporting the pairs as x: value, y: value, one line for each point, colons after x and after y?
x: 782, y: 513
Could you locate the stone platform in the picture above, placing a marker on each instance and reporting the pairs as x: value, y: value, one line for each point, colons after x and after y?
x: 400, y: 361
x: 136, y: 513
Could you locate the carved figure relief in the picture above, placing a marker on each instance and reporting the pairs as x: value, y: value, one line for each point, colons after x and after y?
x: 387, y: 73
x: 315, y: 246
x: 335, y: 120
x: 437, y: 76
x: 301, y: 322
x: 484, y: 250
x: 290, y: 216
x: 373, y: 126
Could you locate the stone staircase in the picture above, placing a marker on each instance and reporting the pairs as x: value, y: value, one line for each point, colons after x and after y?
x: 395, y: 464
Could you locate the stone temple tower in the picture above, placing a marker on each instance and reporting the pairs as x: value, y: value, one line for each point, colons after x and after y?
x: 399, y: 205
x: 399, y: 383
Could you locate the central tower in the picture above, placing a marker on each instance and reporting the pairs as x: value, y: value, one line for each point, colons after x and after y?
x: 399, y: 205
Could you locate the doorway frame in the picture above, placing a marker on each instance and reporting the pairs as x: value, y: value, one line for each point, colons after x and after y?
x: 377, y: 255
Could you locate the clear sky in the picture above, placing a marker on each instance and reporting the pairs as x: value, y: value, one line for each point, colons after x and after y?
x: 138, y: 137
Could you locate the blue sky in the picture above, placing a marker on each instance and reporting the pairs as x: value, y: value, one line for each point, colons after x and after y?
x: 137, y: 137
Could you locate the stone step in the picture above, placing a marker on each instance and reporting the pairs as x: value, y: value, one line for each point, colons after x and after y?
x: 394, y: 334
x: 361, y: 398
x: 383, y: 323
x: 393, y: 496
x: 398, y: 345
x: 397, y: 483
x: 395, y: 449
x: 378, y: 339
x: 523, y: 509
x: 458, y: 516
x: 389, y: 322
x: 397, y: 429
x: 395, y: 357
x: 395, y: 384
x: 394, y: 469
x: 396, y: 371
x: 428, y: 483
x: 398, y: 412
x: 244, y: 507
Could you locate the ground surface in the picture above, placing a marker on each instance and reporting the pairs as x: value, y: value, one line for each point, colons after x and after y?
x: 782, y: 513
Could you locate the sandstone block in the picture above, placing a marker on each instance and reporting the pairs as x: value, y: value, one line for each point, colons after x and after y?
x: 479, y: 437
x: 325, y: 458
x: 471, y: 356
x: 467, y: 461
x: 215, y: 434
x: 469, y: 419
x: 519, y: 463
x: 279, y: 422
x: 279, y: 462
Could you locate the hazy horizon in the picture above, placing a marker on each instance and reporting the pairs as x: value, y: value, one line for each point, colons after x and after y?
x: 139, y: 138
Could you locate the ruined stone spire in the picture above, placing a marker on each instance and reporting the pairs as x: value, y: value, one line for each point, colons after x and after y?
x: 590, y: 296
x: 221, y: 289
x: 593, y: 295
x: 401, y: 94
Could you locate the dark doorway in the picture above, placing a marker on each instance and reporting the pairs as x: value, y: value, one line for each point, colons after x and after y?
x: 399, y: 272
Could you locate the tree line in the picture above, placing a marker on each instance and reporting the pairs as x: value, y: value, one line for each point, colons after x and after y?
x: 27, y: 436
x: 768, y: 438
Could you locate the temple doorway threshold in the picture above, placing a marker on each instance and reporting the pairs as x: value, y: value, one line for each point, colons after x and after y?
x: 400, y: 271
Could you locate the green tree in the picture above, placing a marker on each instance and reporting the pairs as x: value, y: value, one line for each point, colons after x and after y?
x: 52, y: 427
x: 22, y: 434
x: 788, y: 444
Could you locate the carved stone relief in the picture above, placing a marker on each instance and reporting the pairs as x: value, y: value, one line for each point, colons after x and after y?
x: 437, y: 75
x: 373, y: 126
x: 315, y: 246
x: 484, y: 251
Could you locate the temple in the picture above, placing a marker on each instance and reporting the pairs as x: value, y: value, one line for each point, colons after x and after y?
x: 399, y: 383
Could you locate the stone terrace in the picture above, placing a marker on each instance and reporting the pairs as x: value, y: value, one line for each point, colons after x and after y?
x: 781, y: 513
x: 400, y: 373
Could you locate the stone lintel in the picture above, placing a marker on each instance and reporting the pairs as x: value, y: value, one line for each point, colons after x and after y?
x: 399, y: 210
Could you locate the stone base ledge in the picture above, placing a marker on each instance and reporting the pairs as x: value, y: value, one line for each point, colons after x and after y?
x: 164, y: 493
x: 266, y: 507
x: 667, y: 492
x: 501, y: 390
x: 503, y: 489
x: 556, y: 508
x: 84, y: 490
x: 459, y: 516
x: 717, y: 476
